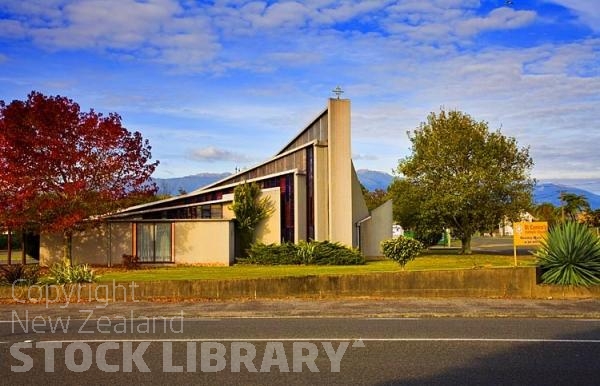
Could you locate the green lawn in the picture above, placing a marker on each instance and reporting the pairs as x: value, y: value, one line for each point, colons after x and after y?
x: 428, y: 261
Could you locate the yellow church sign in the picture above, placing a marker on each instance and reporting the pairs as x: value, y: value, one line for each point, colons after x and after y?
x: 528, y: 233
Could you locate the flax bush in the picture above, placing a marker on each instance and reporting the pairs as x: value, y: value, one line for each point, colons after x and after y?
x: 570, y: 255
x: 65, y: 273
x: 19, y: 274
x: 401, y: 249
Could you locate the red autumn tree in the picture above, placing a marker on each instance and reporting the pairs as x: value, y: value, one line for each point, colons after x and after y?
x: 61, y: 167
x: 16, y: 189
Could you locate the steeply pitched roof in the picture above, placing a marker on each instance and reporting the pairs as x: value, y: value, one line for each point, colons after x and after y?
x: 297, y: 142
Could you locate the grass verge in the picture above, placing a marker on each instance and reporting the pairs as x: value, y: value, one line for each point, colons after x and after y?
x: 241, y: 271
x: 16, y: 257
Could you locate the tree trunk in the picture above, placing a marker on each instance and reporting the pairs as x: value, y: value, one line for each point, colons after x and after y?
x: 465, y: 245
x: 68, y: 246
x: 23, y: 252
x: 9, y: 246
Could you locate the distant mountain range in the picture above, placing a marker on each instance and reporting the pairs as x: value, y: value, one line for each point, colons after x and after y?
x: 550, y: 192
x: 187, y: 184
x: 543, y: 191
x: 372, y: 180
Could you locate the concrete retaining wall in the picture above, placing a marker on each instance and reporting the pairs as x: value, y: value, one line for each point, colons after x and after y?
x: 481, y: 283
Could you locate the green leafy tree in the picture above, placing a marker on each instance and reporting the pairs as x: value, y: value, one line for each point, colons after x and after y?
x: 249, y: 210
x: 464, y: 176
x: 594, y: 218
x: 408, y: 212
x: 547, y: 212
x: 404, y: 196
x: 573, y: 205
x: 375, y: 198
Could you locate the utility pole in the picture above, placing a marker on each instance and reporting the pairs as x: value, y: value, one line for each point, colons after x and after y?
x: 562, y: 205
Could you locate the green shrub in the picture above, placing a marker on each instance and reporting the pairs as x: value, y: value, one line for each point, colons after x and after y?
x: 65, y: 273
x: 428, y: 237
x: 401, y: 249
x: 19, y: 274
x: 313, y: 252
x: 328, y: 253
x: 570, y: 255
x: 270, y: 254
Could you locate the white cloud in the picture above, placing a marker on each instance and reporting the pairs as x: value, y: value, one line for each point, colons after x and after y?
x: 267, y: 68
x: 262, y: 36
x: 498, y: 19
x: 364, y: 157
x: 451, y: 21
x: 289, y: 14
x: 587, y: 11
x: 157, y: 30
x: 213, y: 154
x: 13, y: 29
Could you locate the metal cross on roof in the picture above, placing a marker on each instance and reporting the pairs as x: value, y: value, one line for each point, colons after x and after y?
x: 338, y: 91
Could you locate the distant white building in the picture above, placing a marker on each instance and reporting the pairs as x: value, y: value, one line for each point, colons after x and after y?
x: 505, y: 228
x: 397, y: 230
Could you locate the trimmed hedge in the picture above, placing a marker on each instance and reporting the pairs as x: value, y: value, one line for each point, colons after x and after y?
x: 303, y: 253
x: 401, y: 249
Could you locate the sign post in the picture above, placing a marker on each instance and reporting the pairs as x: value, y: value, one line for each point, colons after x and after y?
x: 528, y: 233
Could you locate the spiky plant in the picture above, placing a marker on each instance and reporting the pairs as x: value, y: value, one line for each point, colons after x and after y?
x: 570, y: 255
x: 64, y: 272
x: 306, y: 251
x: 19, y: 274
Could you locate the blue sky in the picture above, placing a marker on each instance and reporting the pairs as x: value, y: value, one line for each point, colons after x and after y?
x: 216, y: 85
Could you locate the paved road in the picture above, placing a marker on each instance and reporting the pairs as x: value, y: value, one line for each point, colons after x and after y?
x: 368, y: 351
x: 499, y: 246
x: 339, y: 308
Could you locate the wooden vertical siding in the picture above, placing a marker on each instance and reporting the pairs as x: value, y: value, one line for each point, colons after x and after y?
x: 318, y: 131
x: 292, y: 161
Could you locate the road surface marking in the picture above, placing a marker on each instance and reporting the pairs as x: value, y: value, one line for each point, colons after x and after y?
x: 326, y: 339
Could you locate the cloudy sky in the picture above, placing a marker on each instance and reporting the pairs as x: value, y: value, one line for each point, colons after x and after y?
x: 216, y: 85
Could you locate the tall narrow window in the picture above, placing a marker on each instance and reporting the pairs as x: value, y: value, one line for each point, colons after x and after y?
x: 310, y: 193
x: 286, y: 185
x: 145, y: 242
x: 153, y: 242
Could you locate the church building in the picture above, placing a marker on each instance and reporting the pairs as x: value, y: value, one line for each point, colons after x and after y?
x: 311, y: 183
